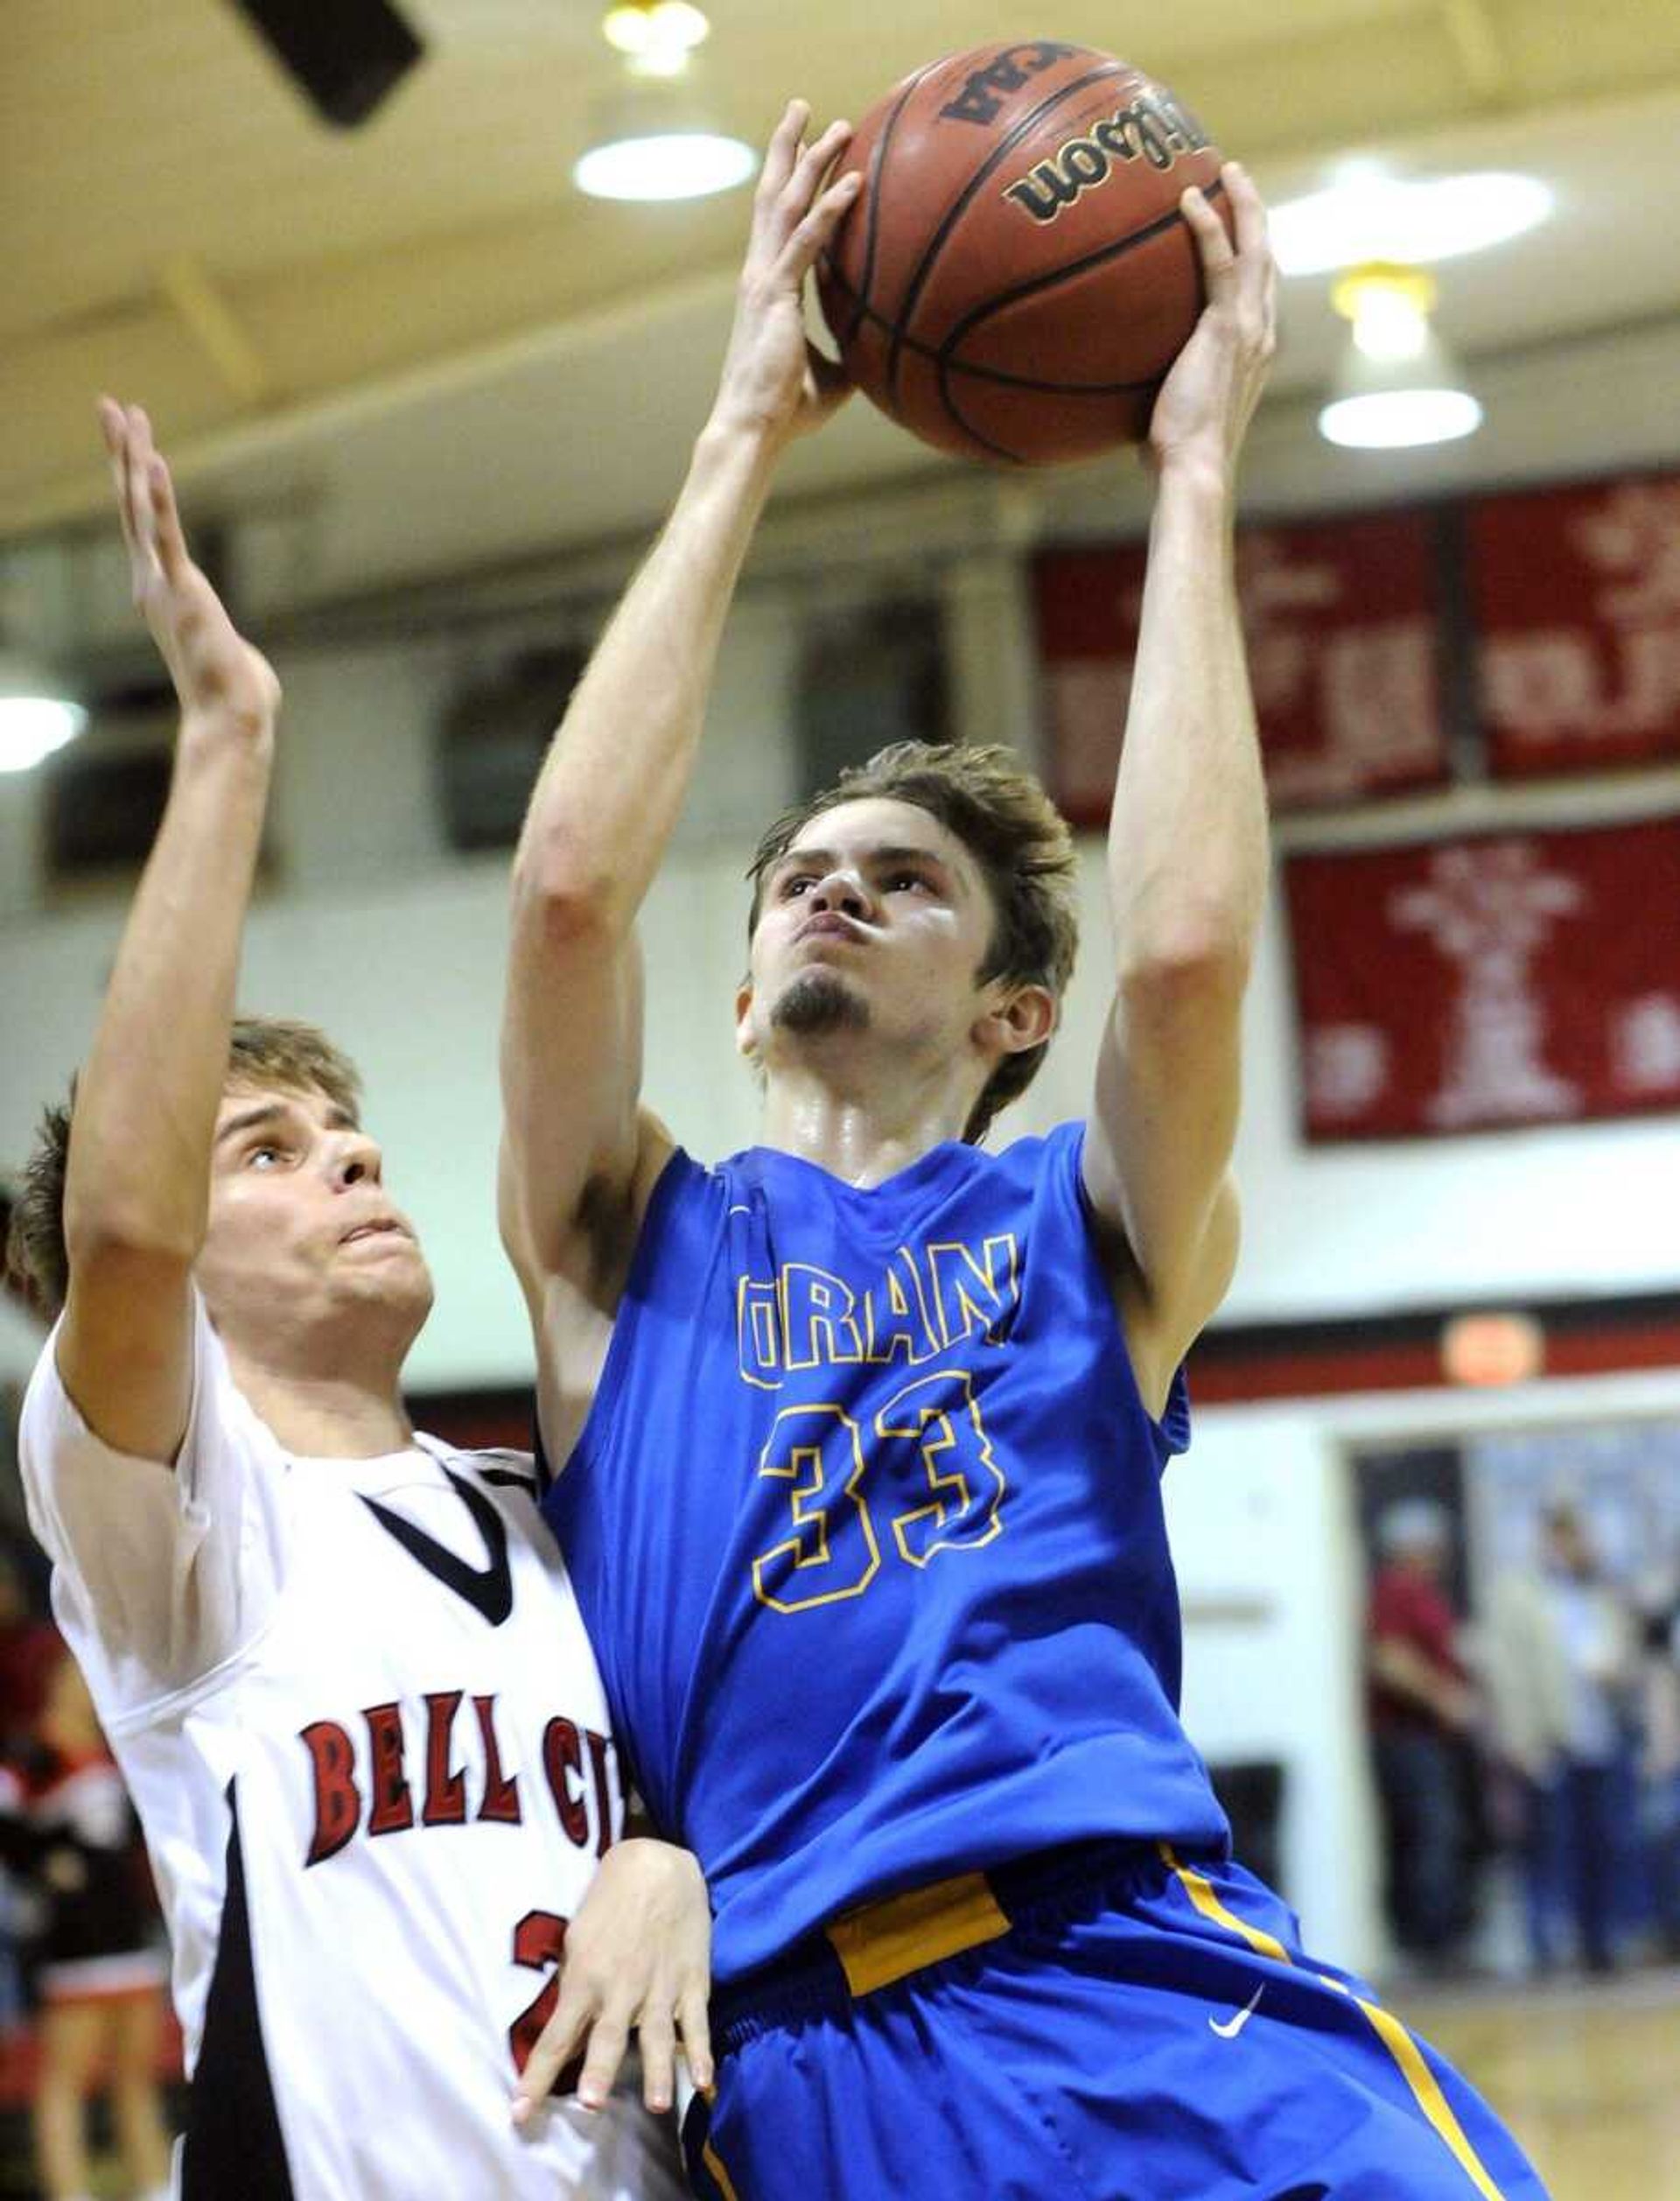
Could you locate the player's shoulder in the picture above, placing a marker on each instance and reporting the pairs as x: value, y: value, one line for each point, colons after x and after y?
x: 54, y: 1437
x: 1032, y: 1150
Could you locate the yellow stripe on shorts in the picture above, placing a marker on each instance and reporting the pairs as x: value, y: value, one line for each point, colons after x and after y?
x: 710, y: 2162
x: 1201, y: 1892
x: 1426, y: 2087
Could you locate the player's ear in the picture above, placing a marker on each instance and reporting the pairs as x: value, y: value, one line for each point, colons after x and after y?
x: 745, y: 1043
x: 1016, y: 1019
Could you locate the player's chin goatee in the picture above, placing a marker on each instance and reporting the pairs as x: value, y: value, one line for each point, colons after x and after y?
x: 818, y: 1001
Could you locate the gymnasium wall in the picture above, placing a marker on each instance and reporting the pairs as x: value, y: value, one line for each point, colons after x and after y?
x: 371, y: 928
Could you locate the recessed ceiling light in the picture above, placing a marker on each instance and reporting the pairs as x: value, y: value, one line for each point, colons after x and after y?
x: 658, y: 36
x: 1369, y: 216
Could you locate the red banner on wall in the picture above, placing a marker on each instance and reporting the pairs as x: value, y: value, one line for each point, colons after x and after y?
x: 1513, y: 978
x: 1576, y: 596
x: 1341, y: 625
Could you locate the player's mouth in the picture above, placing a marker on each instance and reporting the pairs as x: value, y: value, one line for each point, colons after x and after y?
x: 829, y: 924
x: 374, y: 1227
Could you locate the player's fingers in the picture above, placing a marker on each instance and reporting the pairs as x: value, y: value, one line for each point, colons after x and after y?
x: 798, y: 255
x: 114, y: 426
x: 556, y: 2046
x: 1248, y: 221
x: 1248, y: 209
x: 1214, y: 247
x: 141, y: 452
x: 166, y: 520
x: 656, y: 2039
x: 694, y: 2020
x: 783, y: 151
x: 813, y: 163
x: 608, y: 2038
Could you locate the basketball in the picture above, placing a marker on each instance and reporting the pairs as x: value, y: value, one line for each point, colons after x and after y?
x: 1016, y: 277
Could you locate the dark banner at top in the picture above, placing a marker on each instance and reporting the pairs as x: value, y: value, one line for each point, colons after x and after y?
x: 1341, y: 623
x: 1576, y: 598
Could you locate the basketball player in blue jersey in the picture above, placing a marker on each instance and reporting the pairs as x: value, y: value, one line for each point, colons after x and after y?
x: 857, y: 1436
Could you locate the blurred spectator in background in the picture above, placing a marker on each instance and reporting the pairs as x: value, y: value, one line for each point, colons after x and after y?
x: 1560, y: 1669
x: 1659, y: 1632
x: 1420, y: 1709
x: 30, y: 1648
x: 99, y: 1967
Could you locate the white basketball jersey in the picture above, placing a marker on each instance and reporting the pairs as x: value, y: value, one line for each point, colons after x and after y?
x: 362, y: 1727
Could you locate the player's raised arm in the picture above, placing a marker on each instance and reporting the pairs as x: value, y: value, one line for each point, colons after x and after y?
x: 616, y: 777
x: 1187, y: 856
x: 136, y: 1186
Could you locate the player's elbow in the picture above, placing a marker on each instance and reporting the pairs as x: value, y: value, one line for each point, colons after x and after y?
x: 565, y: 890
x: 127, y: 1243
x: 1198, y: 966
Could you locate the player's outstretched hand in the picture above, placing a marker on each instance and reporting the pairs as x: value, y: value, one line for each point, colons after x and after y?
x: 1208, y: 398
x: 637, y: 1954
x: 217, y: 674
x: 775, y: 382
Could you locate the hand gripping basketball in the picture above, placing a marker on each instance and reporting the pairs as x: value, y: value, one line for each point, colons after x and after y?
x: 1208, y: 398
x: 775, y: 382
x: 1019, y: 274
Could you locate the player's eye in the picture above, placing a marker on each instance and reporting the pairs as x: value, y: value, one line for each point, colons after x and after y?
x: 898, y: 881
x: 267, y: 1156
x: 795, y: 884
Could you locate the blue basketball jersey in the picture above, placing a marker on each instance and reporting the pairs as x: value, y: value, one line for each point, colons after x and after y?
x: 865, y: 1524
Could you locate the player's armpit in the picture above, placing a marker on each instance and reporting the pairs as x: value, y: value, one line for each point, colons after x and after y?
x: 571, y: 1078
x: 1158, y: 1141
x: 1160, y: 1331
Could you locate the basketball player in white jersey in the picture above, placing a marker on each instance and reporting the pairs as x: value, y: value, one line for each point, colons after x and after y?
x: 338, y: 1663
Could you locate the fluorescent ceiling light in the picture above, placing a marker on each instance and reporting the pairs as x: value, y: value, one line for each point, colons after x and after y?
x: 676, y: 163
x: 1369, y: 216
x: 1394, y: 419
x: 33, y: 726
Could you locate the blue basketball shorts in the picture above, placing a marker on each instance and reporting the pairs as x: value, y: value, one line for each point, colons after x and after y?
x: 1103, y: 2024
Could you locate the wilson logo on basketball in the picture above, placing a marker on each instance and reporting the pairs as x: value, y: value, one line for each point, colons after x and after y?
x: 1153, y: 127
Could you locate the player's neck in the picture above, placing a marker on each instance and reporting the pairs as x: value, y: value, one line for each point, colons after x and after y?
x: 350, y: 1410
x: 861, y: 1130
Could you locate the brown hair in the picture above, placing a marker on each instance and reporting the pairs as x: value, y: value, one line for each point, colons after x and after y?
x: 1021, y: 843
x: 268, y: 1051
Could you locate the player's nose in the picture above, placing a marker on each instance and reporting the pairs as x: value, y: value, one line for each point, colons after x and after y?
x: 358, y: 1160
x: 842, y: 892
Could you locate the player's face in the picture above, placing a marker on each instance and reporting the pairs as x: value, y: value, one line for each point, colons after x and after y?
x: 301, y: 1231
x: 877, y: 919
